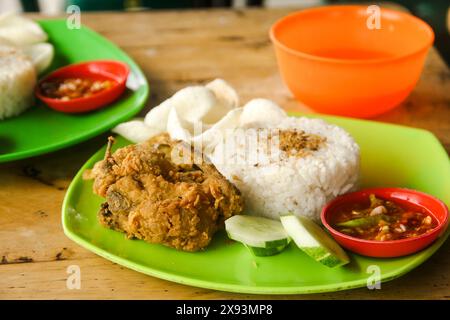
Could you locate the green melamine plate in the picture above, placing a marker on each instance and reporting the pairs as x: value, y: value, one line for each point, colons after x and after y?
x: 40, y: 129
x: 392, y: 156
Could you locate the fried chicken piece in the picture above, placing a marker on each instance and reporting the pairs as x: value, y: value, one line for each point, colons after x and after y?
x: 150, y: 197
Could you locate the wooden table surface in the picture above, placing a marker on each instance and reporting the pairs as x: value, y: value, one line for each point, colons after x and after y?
x: 176, y: 49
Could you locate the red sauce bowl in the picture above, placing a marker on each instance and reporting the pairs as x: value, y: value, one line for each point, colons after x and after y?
x: 392, y: 248
x: 114, y: 71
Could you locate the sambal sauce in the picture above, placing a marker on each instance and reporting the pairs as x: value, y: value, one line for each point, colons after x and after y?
x: 66, y: 89
x: 382, y: 220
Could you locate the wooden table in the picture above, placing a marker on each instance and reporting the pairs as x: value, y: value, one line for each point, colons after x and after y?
x: 176, y: 49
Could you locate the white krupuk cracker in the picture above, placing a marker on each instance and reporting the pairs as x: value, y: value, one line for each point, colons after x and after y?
x: 136, y: 130
x: 224, y: 93
x: 177, y: 127
x: 20, y: 30
x: 210, y: 137
x: 261, y: 113
x: 158, y: 116
x: 41, y: 54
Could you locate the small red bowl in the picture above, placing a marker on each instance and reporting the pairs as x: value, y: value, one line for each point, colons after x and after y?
x: 115, y: 71
x: 394, y: 248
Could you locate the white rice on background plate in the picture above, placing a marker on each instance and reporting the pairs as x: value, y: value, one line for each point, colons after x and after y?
x: 274, y: 183
x: 17, y: 81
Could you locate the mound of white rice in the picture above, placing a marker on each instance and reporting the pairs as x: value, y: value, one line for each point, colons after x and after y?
x: 17, y: 81
x: 275, y: 182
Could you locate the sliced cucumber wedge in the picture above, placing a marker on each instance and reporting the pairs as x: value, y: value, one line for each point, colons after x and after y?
x: 257, y: 232
x: 265, y: 252
x: 314, y: 241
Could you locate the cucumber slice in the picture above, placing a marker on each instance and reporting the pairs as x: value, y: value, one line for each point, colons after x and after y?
x: 314, y: 241
x: 265, y: 252
x: 256, y: 231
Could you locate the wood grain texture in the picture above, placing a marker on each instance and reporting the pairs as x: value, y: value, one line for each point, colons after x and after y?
x: 176, y: 49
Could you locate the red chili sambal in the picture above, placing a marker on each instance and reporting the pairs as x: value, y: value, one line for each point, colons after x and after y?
x: 66, y: 89
x: 382, y: 220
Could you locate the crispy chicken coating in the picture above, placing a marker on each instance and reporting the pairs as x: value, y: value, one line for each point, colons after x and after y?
x: 150, y: 197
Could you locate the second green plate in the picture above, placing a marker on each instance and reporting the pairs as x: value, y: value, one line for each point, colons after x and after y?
x: 40, y: 129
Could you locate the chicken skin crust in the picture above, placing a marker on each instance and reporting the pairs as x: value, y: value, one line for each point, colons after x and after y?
x: 150, y: 197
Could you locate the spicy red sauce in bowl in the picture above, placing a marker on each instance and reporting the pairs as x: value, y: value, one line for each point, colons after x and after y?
x: 67, y: 89
x: 83, y: 87
x: 385, y: 222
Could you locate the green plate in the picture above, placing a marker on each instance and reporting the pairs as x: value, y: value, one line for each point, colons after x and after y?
x: 40, y: 129
x: 391, y: 156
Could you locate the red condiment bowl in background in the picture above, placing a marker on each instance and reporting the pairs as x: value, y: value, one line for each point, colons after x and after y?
x: 114, y: 71
x: 334, y: 63
x: 393, y: 248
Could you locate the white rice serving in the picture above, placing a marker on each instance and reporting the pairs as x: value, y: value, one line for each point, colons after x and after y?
x: 17, y: 81
x: 275, y: 182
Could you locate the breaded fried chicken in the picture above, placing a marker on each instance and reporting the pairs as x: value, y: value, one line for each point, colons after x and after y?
x: 150, y: 197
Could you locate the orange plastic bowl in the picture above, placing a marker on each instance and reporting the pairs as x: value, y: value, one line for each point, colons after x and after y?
x: 334, y: 63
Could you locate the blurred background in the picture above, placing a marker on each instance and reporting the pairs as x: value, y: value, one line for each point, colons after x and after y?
x: 434, y: 12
